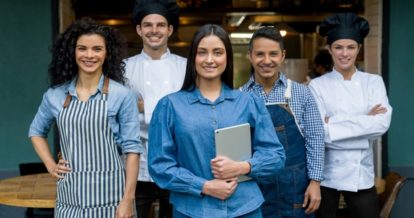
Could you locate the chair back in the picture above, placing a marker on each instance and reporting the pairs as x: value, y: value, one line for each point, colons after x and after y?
x: 32, y: 168
x: 393, y: 184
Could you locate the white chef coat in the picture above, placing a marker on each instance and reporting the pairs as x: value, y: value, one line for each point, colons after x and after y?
x: 349, y: 135
x: 152, y: 80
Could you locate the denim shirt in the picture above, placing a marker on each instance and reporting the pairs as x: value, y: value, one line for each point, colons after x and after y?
x: 181, y: 145
x: 121, y: 105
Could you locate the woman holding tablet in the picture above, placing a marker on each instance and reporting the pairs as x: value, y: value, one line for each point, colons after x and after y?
x: 182, y: 156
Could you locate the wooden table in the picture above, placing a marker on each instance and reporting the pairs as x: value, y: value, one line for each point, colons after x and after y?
x: 37, y: 191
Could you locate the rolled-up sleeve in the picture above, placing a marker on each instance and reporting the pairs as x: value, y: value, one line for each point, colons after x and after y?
x: 268, y: 153
x: 43, y: 119
x: 128, y: 118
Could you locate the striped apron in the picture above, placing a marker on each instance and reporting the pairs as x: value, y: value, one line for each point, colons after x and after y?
x: 96, y: 184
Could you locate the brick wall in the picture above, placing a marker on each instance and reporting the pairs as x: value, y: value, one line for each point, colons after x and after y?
x: 373, y: 42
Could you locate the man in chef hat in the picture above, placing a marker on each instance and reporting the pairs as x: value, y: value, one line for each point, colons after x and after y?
x: 153, y: 73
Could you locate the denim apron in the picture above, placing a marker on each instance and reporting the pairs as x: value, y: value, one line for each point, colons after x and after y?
x: 95, y: 185
x: 284, y: 198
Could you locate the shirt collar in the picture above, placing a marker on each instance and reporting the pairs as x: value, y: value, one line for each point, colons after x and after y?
x: 72, y: 86
x: 337, y: 75
x: 250, y: 82
x: 282, y: 81
x: 226, y: 94
x: 166, y: 55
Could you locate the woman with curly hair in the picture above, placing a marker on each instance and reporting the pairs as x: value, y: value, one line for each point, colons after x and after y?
x: 97, y: 119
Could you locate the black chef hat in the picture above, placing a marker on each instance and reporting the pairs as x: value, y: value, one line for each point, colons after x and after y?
x: 166, y: 8
x: 344, y: 26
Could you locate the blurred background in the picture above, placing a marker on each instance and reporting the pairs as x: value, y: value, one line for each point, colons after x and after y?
x: 297, y: 19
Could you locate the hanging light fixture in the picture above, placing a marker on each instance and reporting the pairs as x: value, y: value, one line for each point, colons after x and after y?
x: 284, y: 29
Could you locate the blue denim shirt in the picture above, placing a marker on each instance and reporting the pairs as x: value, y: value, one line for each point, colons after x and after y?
x: 181, y: 145
x: 121, y: 105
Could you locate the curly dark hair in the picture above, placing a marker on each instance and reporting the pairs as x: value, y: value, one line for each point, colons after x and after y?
x: 63, y: 66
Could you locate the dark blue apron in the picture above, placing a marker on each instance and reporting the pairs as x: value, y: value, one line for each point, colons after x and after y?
x: 285, y: 197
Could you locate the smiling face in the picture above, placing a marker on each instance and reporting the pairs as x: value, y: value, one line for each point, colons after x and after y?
x: 211, y: 58
x: 266, y: 57
x: 154, y: 31
x: 90, y: 53
x: 344, y: 54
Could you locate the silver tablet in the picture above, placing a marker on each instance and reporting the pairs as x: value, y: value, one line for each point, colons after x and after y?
x: 234, y: 142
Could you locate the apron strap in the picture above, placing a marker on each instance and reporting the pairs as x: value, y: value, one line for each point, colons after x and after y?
x: 67, y: 100
x: 105, y: 86
x: 288, y: 91
x: 104, y: 91
x: 288, y: 97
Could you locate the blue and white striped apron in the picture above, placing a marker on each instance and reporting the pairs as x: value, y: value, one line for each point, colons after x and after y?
x: 96, y: 184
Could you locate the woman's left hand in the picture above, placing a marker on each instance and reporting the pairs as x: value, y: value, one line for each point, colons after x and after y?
x: 225, y: 168
x: 125, y: 209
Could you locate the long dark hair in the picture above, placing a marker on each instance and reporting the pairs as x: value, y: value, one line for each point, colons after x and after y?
x: 191, y: 73
x: 63, y: 66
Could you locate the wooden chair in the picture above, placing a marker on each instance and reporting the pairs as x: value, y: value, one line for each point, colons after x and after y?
x: 393, y: 184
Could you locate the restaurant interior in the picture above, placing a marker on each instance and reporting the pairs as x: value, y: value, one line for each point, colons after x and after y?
x: 298, y: 19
